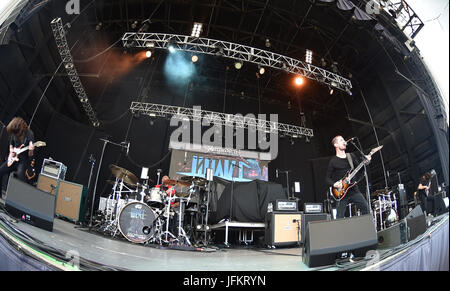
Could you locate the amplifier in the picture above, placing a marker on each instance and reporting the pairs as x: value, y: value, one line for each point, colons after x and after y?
x: 285, y: 205
x: 71, y: 201
x: 313, y: 208
x: 54, y: 169
x: 283, y: 229
x: 48, y: 184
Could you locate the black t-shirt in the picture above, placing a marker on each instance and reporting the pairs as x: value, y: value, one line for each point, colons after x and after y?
x: 338, y: 168
x: 29, y: 136
x: 424, y: 182
x: 15, y: 142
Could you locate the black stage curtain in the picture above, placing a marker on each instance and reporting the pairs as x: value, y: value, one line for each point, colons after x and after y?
x: 250, y: 200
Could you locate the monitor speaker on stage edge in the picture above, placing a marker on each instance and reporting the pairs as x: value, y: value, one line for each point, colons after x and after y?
x: 30, y: 204
x: 328, y: 241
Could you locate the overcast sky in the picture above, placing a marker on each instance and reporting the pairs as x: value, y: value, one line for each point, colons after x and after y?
x: 433, y: 40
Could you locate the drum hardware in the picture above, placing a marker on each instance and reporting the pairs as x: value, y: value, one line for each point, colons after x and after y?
x: 385, y: 209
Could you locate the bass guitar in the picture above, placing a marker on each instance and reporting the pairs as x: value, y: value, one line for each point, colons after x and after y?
x: 14, y: 155
x: 347, y: 183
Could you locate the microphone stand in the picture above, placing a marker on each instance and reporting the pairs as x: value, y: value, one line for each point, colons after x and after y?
x: 105, y: 142
x: 365, y: 173
x: 92, y: 162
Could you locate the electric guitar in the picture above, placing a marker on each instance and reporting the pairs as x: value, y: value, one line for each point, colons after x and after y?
x: 339, y: 193
x: 14, y: 155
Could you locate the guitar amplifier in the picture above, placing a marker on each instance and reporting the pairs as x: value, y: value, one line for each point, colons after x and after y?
x: 54, y: 169
x: 47, y: 184
x: 71, y: 201
x: 285, y: 205
x: 283, y: 229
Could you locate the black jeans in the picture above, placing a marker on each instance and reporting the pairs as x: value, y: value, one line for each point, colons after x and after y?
x: 18, y: 167
x: 352, y: 197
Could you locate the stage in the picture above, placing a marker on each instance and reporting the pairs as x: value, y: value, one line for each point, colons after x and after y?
x: 95, y: 251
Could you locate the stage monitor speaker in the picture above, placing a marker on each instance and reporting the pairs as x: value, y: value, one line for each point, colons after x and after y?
x: 30, y: 204
x: 71, y: 201
x: 308, y: 217
x: 283, y: 228
x: 327, y: 241
x: 48, y: 184
x: 393, y: 236
x: 416, y: 223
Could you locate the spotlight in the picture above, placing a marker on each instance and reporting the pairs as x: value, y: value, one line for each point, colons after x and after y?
x: 171, y: 49
x: 331, y: 91
x: 262, y: 70
x: 309, y: 56
x: 238, y: 65
x: 268, y: 44
x: 148, y: 54
x: 194, y: 58
x: 99, y: 26
x: 197, y: 29
x: 299, y: 81
x: 69, y: 66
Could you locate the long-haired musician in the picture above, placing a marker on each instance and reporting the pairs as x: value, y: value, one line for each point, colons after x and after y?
x: 20, y: 136
x: 423, y: 189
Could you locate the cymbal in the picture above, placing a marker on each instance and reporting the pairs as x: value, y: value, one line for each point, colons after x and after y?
x: 121, y: 173
x: 196, y: 180
x: 177, y: 182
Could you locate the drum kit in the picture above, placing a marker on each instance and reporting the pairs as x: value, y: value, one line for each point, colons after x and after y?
x: 164, y: 214
x: 385, y: 208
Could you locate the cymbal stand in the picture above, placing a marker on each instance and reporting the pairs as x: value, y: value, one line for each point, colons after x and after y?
x: 181, y: 232
x: 167, y: 233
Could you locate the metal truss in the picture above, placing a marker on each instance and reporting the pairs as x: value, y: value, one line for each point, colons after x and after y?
x: 405, y: 16
x: 237, y: 52
x: 63, y: 48
x: 239, y: 121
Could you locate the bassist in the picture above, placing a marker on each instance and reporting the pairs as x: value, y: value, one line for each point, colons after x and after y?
x: 20, y: 136
x: 338, y: 167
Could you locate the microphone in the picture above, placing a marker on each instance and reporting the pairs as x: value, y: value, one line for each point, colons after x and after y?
x: 349, y: 140
x: 276, y: 173
x: 128, y: 148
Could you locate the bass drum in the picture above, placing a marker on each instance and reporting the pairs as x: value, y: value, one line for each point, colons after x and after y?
x: 137, y: 222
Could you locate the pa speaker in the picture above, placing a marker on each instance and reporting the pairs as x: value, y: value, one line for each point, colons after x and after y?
x: 416, y: 223
x: 71, y: 201
x: 283, y: 228
x: 308, y: 217
x: 327, y: 241
x: 393, y: 236
x: 29, y: 204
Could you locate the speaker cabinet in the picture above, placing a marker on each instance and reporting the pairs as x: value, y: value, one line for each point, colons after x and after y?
x: 308, y: 217
x: 47, y: 184
x: 283, y: 228
x: 393, y: 236
x: 416, y: 223
x: 327, y: 241
x: 29, y: 204
x: 71, y: 201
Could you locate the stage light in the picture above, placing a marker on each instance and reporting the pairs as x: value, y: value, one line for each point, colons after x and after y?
x: 197, y: 29
x: 150, y: 44
x: 268, y: 44
x: 172, y: 49
x: 194, y: 59
x: 309, y: 56
x: 69, y: 66
x: 148, y: 54
x: 238, y: 65
x: 299, y: 81
x: 262, y: 70
x: 331, y: 91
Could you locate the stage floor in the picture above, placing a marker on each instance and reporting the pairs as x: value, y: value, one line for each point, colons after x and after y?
x: 69, y: 238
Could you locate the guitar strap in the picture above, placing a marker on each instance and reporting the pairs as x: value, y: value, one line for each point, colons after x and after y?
x: 350, y: 161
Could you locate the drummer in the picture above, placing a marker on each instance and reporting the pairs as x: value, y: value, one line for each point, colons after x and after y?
x: 168, y: 189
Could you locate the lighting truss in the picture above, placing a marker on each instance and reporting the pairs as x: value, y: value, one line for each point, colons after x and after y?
x: 237, y: 52
x: 239, y: 121
x: 63, y: 48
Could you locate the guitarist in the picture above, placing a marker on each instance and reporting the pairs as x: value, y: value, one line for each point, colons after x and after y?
x: 21, y: 136
x: 338, y: 167
x: 423, y: 190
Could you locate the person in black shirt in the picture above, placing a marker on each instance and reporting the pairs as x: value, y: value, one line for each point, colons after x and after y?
x: 21, y: 136
x: 338, y: 167
x: 30, y: 173
x: 423, y: 189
